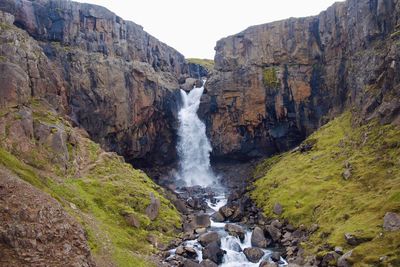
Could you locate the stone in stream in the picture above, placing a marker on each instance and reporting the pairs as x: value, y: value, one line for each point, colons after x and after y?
x: 153, y: 209
x: 196, y: 221
x: 235, y: 230
x: 217, y: 217
x: 213, y: 252
x: 276, y: 256
x: 258, y: 239
x: 268, y: 264
x: 253, y: 254
x: 236, y: 247
x: 208, y: 263
x: 190, y: 263
x: 208, y: 238
x: 226, y: 211
x: 187, y: 252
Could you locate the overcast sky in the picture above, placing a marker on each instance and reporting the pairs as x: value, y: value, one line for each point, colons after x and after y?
x: 193, y: 27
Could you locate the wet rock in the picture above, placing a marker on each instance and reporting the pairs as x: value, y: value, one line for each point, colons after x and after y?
x: 253, y: 254
x: 186, y: 252
x: 343, y: 261
x: 131, y: 220
x: 330, y: 259
x: 258, y: 239
x: 276, y: 256
x: 278, y: 209
x: 391, y: 221
x: 236, y: 247
x: 226, y: 211
x: 354, y: 240
x: 208, y: 263
x: 153, y: 209
x: 268, y: 264
x: 201, y: 231
x: 273, y: 232
x: 213, y: 252
x: 208, y: 238
x: 217, y: 217
x: 190, y: 263
x: 235, y: 230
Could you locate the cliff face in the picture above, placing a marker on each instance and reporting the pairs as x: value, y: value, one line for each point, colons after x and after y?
x: 110, y: 76
x: 274, y: 84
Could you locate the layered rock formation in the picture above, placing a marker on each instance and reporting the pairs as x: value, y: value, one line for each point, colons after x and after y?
x: 110, y: 76
x: 276, y: 83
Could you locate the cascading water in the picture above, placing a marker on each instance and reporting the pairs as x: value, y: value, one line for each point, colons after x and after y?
x: 193, y: 146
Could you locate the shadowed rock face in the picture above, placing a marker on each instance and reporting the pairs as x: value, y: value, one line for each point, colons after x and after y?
x: 276, y: 83
x: 112, y: 78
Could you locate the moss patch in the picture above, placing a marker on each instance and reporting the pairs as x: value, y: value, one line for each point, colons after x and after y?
x: 311, y: 188
x: 270, y: 78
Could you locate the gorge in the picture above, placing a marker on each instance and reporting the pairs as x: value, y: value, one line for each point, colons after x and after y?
x: 298, y: 121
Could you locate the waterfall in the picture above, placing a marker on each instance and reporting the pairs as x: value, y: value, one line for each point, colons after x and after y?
x: 193, y: 146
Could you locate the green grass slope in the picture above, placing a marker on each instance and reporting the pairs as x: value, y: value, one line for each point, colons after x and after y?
x: 206, y: 63
x: 98, y: 188
x: 311, y: 188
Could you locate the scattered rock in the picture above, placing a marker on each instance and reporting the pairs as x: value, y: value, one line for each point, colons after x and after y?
x: 226, y: 211
x: 339, y: 250
x: 153, y: 209
x: 313, y: 228
x: 354, y: 240
x: 278, y: 209
x: 253, y: 254
x: 346, y: 174
x: 258, y: 239
x: 277, y: 224
x: 186, y: 252
x: 208, y: 263
x: 391, y: 221
x: 330, y: 259
x: 131, y: 220
x: 217, y: 217
x: 213, y: 252
x: 202, y: 221
x: 190, y: 263
x: 208, y: 238
x: 268, y: 264
x: 235, y: 230
x: 273, y: 232
x: 343, y: 261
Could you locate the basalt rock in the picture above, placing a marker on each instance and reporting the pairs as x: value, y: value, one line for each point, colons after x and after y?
x: 253, y: 254
x: 274, y: 84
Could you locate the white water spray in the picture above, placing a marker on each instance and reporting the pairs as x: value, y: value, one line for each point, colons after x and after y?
x: 193, y: 146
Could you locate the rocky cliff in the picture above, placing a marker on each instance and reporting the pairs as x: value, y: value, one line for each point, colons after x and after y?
x: 276, y: 83
x: 111, y: 77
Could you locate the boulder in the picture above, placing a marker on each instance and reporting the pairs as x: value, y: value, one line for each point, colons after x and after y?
x: 268, y: 264
x: 391, y: 221
x: 217, y: 217
x: 131, y: 220
x: 208, y: 263
x: 202, y: 221
x: 226, y: 211
x: 276, y: 256
x: 213, y: 252
x: 153, y: 209
x: 208, y: 238
x: 254, y: 255
x: 330, y: 259
x: 343, y: 261
x: 190, y: 263
x: 278, y: 209
x: 235, y: 230
x: 273, y: 232
x: 354, y: 240
x: 186, y: 252
x: 277, y: 224
x: 258, y: 239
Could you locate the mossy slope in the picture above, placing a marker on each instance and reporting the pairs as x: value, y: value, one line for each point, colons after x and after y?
x: 311, y: 188
x: 206, y: 63
x: 96, y: 187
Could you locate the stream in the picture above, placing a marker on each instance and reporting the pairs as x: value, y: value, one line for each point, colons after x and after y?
x: 199, y: 186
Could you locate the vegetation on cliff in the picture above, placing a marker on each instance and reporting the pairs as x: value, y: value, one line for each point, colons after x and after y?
x: 206, y: 63
x: 105, y: 194
x: 346, y: 183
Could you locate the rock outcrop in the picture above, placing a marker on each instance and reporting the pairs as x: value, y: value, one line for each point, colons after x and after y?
x: 276, y: 83
x: 111, y: 77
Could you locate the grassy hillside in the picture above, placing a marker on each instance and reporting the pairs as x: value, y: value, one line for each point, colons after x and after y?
x: 206, y: 63
x: 311, y: 188
x: 96, y: 187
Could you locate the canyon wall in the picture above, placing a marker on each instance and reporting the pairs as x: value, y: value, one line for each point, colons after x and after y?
x: 111, y: 77
x: 276, y: 83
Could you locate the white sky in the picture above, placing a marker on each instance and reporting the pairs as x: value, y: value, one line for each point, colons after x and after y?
x: 193, y: 27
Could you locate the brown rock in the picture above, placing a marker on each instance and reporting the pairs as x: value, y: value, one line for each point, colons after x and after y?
x: 132, y: 220
x: 235, y: 230
x: 213, y: 252
x: 278, y: 210
x: 208, y: 263
x: 258, y: 239
x: 217, y: 217
x: 253, y: 254
x: 273, y: 232
x: 208, y: 238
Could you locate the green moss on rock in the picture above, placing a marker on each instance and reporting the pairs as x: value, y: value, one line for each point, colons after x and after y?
x: 311, y: 188
x: 270, y: 78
